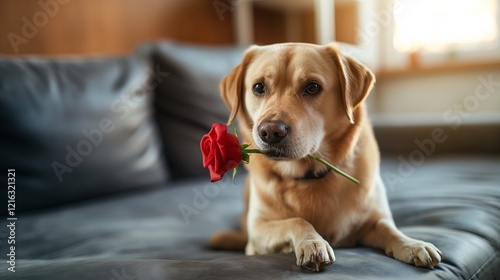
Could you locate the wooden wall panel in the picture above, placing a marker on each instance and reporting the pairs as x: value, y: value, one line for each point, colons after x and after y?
x: 110, y: 26
x: 117, y: 26
x: 269, y: 26
x: 346, y: 23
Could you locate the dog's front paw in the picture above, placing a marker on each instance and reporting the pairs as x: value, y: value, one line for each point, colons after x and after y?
x: 314, y: 254
x: 419, y: 253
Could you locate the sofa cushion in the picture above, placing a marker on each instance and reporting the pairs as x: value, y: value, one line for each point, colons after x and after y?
x: 162, y: 233
x: 77, y: 128
x: 188, y: 100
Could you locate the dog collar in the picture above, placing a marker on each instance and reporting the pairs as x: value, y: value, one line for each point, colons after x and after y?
x: 311, y: 175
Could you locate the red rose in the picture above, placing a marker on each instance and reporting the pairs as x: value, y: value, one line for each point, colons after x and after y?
x: 221, y: 151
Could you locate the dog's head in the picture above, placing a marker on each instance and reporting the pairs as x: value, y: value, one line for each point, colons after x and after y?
x: 290, y: 97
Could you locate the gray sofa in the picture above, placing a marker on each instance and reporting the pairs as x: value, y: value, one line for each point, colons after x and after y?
x: 135, y: 203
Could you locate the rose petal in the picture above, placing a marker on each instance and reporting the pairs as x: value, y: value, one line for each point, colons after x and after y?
x: 214, y: 176
x: 207, y: 146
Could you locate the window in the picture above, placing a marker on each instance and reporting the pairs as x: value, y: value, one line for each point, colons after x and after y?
x: 445, y: 25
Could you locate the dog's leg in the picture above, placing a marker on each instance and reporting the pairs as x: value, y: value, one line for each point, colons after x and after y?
x: 381, y: 232
x: 311, y: 250
x: 384, y: 235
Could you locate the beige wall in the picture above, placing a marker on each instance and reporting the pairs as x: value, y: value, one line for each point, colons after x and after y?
x: 440, y: 95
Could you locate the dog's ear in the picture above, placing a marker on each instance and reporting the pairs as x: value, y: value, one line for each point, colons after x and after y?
x: 356, y: 80
x: 232, y: 86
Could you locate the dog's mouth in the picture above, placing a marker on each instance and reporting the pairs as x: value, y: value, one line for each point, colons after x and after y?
x: 276, y: 154
x: 280, y: 153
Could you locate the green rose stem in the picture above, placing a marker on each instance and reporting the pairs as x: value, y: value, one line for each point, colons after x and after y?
x: 329, y: 165
x: 246, y: 151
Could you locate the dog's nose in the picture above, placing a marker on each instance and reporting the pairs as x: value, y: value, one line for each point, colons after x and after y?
x: 272, y: 132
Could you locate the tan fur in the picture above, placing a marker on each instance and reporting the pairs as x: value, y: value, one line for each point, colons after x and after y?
x: 309, y: 216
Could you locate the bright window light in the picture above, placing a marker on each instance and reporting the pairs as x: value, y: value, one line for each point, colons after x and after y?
x: 441, y: 25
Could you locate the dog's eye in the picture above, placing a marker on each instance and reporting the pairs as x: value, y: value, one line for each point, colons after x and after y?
x: 312, y: 89
x: 259, y: 89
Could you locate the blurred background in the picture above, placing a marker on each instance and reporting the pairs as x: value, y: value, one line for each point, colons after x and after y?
x: 141, y: 203
x: 436, y: 61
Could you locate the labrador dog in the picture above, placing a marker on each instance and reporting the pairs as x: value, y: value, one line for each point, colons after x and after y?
x: 292, y: 100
